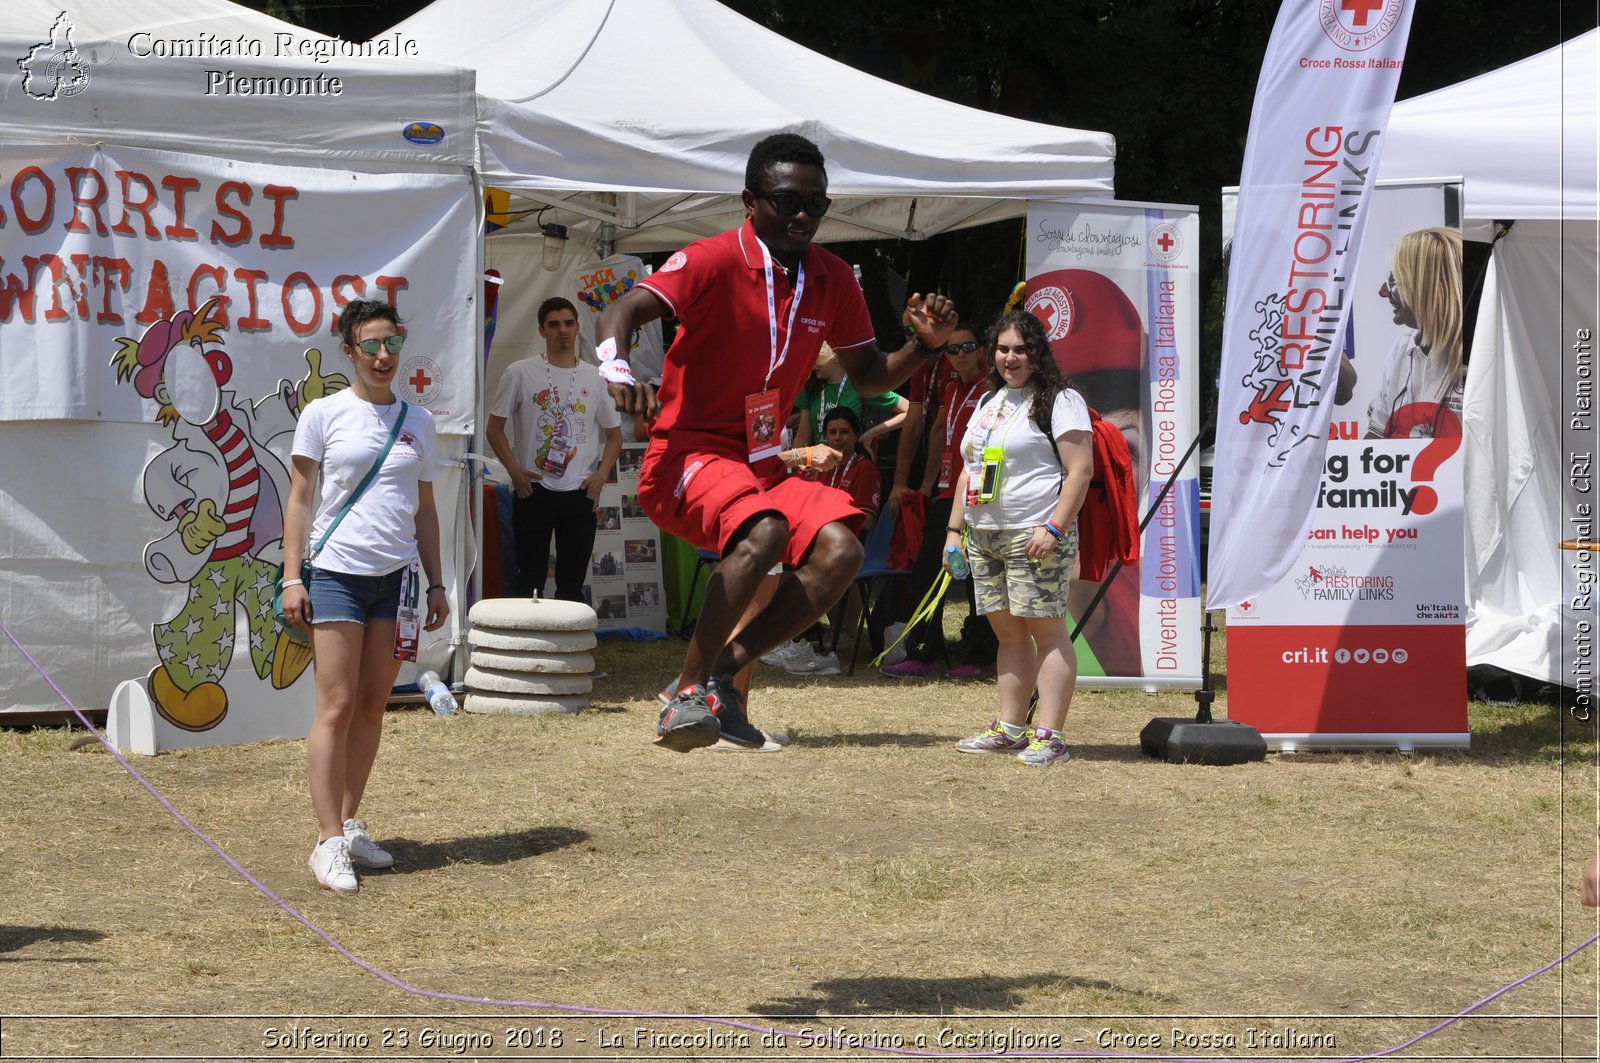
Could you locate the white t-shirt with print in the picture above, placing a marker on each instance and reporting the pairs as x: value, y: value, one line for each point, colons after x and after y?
x: 344, y: 434
x: 1030, y: 471
x: 548, y: 405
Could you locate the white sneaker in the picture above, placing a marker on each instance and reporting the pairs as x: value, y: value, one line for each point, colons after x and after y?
x: 789, y: 651
x: 897, y: 650
x: 815, y: 664
x: 364, y: 852
x: 330, y: 862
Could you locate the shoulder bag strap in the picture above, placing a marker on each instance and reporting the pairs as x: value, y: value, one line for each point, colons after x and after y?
x: 394, y: 433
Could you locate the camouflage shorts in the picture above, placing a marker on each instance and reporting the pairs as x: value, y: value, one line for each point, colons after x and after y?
x: 1005, y: 578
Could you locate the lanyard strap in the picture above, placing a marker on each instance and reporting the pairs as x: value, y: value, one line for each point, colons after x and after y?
x: 365, y: 480
x: 776, y: 357
x: 953, y: 414
x: 842, y: 473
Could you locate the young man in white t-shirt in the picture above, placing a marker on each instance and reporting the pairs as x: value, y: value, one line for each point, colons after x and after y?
x: 568, y: 434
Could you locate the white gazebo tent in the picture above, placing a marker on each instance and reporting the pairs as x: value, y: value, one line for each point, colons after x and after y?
x: 635, y: 117
x: 1523, y: 140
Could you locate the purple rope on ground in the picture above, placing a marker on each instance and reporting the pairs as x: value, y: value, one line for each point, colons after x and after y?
x: 830, y: 1041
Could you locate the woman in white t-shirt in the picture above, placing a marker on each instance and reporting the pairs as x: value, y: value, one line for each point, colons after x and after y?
x: 353, y: 599
x: 1026, y: 463
x: 1420, y: 394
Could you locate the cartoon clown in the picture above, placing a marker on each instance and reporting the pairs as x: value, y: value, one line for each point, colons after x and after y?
x: 222, y: 491
x: 557, y: 424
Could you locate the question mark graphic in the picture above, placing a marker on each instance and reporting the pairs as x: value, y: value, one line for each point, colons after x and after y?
x: 1446, y: 441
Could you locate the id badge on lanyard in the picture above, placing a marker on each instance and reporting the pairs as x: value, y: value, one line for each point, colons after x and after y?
x: 761, y: 425
x: 557, y: 458
x: 407, y: 622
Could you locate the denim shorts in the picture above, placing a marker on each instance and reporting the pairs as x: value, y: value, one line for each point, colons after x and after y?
x: 339, y: 596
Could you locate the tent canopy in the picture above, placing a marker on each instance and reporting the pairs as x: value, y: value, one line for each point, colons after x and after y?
x: 1523, y: 137
x: 640, y: 114
x: 210, y: 77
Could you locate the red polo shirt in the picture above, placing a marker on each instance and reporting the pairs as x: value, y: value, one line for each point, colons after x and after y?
x: 859, y: 478
x: 718, y: 291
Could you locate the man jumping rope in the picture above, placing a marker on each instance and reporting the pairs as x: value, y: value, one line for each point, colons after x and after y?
x: 754, y: 306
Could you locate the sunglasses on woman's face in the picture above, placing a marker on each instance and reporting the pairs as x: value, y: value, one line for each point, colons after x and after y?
x: 965, y: 347
x: 370, y: 348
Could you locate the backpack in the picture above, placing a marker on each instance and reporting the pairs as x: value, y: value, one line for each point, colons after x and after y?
x: 1108, y: 522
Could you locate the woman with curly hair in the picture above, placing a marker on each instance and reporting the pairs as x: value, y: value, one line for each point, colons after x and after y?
x: 1420, y: 395
x: 1026, y: 463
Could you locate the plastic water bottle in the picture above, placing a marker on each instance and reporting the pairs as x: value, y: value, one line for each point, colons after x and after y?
x: 440, y: 700
x: 956, y: 561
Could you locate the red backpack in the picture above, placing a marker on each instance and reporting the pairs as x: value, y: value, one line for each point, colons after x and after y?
x: 1108, y: 523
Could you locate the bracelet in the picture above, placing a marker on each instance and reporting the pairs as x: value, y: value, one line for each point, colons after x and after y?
x: 435, y: 587
x: 929, y: 353
x: 953, y: 531
x: 293, y: 583
x: 1054, y: 529
x: 808, y: 457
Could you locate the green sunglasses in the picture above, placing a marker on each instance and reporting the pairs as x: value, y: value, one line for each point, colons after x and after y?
x: 370, y: 348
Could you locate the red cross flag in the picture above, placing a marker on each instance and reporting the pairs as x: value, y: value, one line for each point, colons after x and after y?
x: 1322, y: 104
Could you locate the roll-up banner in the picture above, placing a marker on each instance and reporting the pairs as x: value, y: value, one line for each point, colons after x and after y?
x: 1316, y: 133
x: 1362, y: 644
x: 1115, y: 285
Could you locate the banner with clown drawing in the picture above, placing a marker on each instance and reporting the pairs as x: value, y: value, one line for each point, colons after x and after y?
x: 1115, y: 285
x: 164, y: 319
x: 1362, y: 644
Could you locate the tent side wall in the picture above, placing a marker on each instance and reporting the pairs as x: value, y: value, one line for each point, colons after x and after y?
x: 125, y: 213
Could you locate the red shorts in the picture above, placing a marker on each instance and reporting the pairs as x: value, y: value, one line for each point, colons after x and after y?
x: 700, y: 488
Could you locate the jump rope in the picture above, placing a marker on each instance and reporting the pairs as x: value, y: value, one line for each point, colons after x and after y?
x: 811, y: 1037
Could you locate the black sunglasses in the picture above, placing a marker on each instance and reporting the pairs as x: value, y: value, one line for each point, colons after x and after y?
x: 789, y: 203
x: 965, y: 347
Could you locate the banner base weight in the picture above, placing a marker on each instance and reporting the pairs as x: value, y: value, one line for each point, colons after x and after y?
x: 1180, y: 740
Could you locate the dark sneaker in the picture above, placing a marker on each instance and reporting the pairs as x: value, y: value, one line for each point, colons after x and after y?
x: 687, y: 722
x: 728, y: 705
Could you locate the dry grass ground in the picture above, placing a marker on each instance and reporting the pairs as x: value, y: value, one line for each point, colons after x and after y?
x: 869, y: 877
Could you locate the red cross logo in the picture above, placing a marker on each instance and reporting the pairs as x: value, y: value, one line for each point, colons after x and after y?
x: 1166, y: 242
x: 1361, y: 9
x: 419, y: 380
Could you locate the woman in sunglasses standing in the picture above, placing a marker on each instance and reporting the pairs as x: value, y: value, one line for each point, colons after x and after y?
x: 958, y: 396
x: 354, y: 597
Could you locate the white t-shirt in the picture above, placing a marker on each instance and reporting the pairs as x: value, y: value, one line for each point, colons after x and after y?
x: 1411, y: 375
x: 1030, y: 471
x: 343, y: 434
x: 546, y: 405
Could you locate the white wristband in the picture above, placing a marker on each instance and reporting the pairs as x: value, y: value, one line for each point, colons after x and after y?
x: 607, y: 349
x: 294, y: 583
x: 616, y: 372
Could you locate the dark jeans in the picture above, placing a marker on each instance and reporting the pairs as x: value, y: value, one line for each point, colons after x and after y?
x: 569, y: 515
